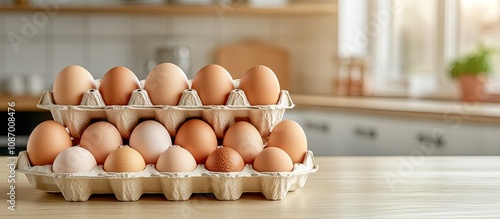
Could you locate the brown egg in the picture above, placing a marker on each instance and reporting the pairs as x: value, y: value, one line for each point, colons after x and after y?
x: 117, y: 86
x: 245, y: 139
x: 261, y: 86
x: 273, y: 159
x: 124, y: 159
x: 70, y: 85
x: 176, y: 159
x: 101, y: 138
x: 213, y: 84
x: 289, y: 136
x: 46, y: 141
x: 224, y: 160
x: 198, y: 138
x: 165, y: 84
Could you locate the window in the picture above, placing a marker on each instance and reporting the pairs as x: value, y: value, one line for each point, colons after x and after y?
x: 414, y: 48
x: 406, y: 49
x: 480, y: 23
x: 414, y: 39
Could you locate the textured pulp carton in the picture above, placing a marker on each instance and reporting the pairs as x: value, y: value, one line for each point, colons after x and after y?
x: 175, y: 186
x: 125, y: 118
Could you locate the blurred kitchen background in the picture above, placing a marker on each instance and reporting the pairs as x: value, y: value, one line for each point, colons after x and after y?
x: 367, y: 77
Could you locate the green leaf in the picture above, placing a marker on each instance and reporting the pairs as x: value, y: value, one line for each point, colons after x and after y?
x: 475, y: 63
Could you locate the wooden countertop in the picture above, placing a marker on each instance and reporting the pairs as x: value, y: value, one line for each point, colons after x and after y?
x: 354, y: 187
x: 432, y: 109
x: 23, y: 103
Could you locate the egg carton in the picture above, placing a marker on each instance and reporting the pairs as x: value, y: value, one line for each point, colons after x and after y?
x: 92, y: 108
x: 175, y: 186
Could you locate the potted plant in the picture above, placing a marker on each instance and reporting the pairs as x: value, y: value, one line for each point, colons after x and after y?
x: 472, y: 72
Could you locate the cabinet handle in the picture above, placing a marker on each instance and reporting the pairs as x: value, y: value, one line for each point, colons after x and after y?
x: 365, y: 132
x: 438, y: 140
x: 322, y: 127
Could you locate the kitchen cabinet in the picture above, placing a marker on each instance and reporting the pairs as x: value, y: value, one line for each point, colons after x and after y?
x: 332, y: 132
x: 319, y: 130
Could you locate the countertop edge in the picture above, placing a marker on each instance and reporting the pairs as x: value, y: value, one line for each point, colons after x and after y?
x: 431, y: 109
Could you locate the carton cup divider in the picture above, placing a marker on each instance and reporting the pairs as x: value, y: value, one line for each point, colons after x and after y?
x: 174, y: 186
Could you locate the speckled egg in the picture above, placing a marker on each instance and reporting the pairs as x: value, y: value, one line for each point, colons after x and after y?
x: 224, y: 159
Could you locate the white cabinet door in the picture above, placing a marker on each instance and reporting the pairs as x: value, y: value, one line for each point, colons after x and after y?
x: 439, y: 138
x: 358, y: 134
x: 317, y: 126
x: 361, y: 134
x: 490, y: 136
x: 426, y: 137
x: 471, y: 139
x: 374, y: 135
x: 352, y: 134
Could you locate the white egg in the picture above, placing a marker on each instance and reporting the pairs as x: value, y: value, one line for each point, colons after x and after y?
x: 74, y: 160
x: 150, y: 138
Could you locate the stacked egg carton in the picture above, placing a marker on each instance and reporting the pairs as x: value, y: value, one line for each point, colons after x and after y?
x: 175, y: 186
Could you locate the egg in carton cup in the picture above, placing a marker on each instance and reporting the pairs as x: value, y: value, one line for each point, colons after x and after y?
x: 175, y: 186
x: 126, y: 117
x: 129, y: 186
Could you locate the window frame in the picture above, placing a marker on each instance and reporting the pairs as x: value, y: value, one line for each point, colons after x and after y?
x: 448, y: 33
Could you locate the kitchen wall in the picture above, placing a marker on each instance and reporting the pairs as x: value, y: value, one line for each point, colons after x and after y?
x: 101, y: 41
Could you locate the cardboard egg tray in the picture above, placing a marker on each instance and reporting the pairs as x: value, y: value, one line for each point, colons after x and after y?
x: 175, y: 186
x: 125, y: 118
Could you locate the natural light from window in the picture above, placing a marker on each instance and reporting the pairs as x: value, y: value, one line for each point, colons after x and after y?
x: 480, y: 23
x: 414, y: 39
x: 411, y: 53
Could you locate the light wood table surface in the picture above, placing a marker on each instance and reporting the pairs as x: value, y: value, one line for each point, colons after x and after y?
x: 355, y: 187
